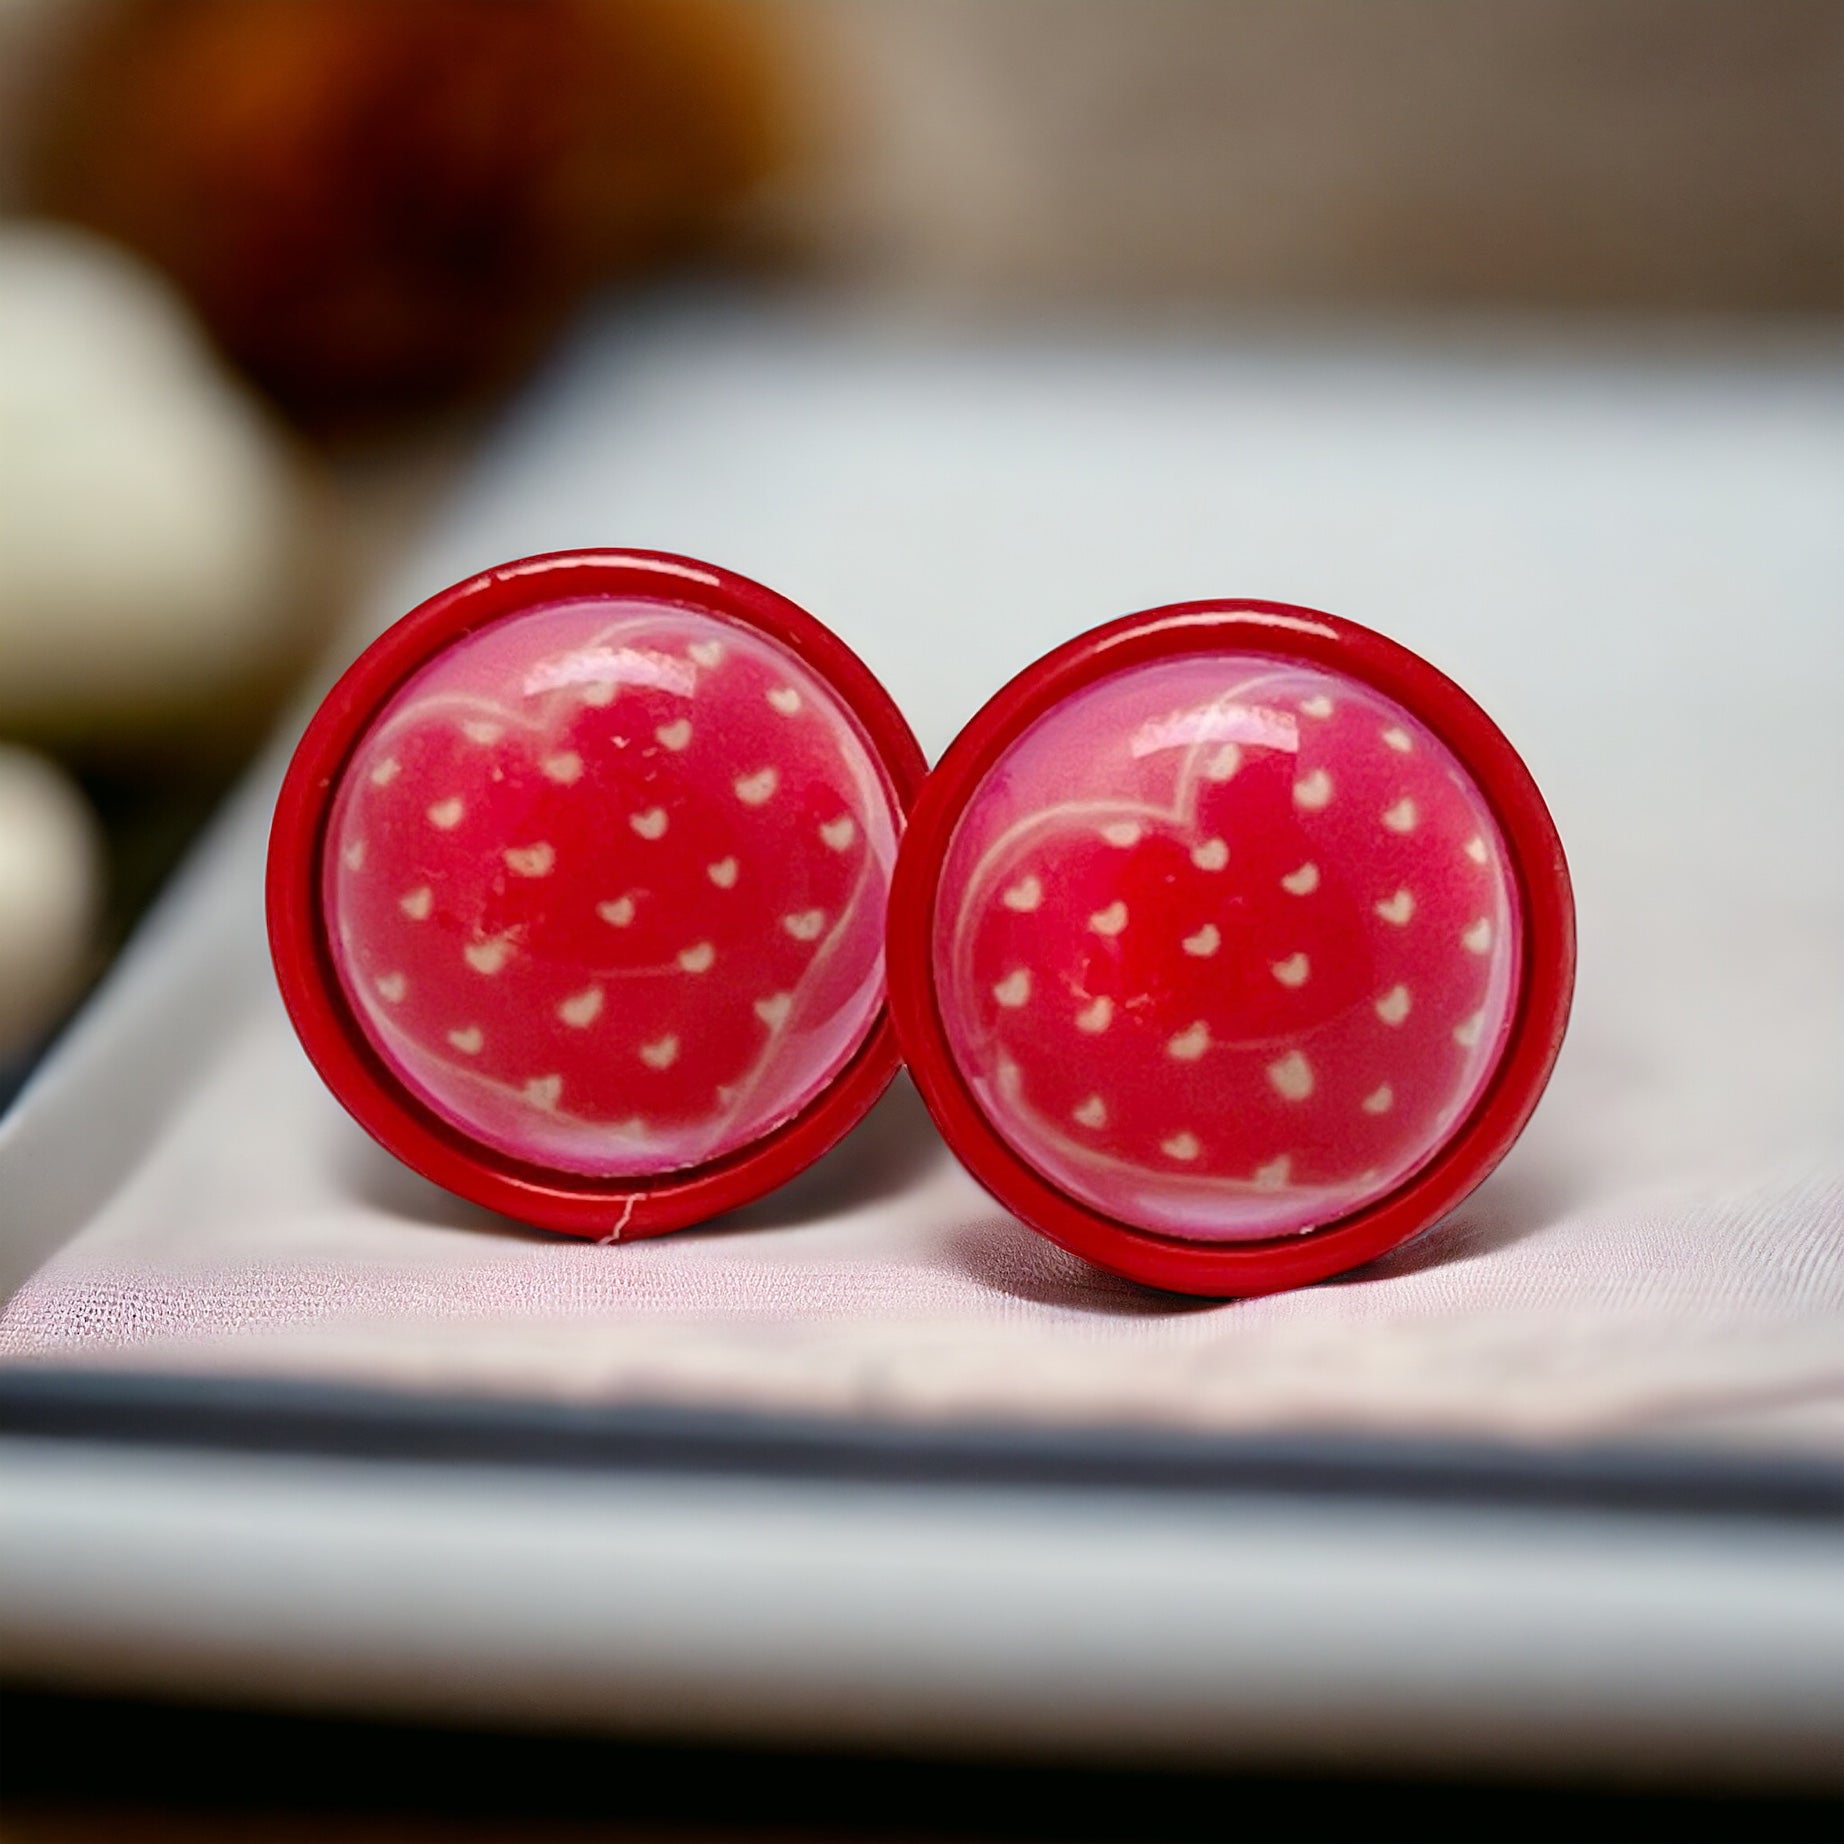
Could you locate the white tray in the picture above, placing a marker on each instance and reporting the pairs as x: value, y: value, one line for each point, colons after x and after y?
x: 1559, y: 1486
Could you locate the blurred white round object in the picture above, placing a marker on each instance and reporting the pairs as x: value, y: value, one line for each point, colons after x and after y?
x: 50, y: 892
x: 151, y: 521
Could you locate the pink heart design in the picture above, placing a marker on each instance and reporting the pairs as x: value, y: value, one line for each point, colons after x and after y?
x: 527, y: 916
x: 1223, y: 1034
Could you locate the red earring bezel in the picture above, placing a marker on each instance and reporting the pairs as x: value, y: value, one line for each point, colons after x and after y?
x: 1308, y: 636
x: 332, y: 1037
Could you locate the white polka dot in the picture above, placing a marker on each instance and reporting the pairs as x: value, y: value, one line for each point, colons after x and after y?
x: 1469, y: 1030
x: 1398, y: 908
x: 1109, y: 921
x: 1205, y: 942
x: 1096, y: 1016
x: 1398, y: 739
x: 417, y: 903
x: 698, y: 957
x: 1182, y: 1146
x: 1123, y: 833
x: 1275, y: 1174
x: 1402, y: 816
x: 675, y: 735
x: 805, y: 924
x: 785, y: 699
x: 1379, y: 1100
x: 1090, y: 1113
x: 1212, y: 855
x: 490, y: 955
x: 544, y: 1091
x: 1475, y: 849
x: 581, y: 1009
x: 662, y: 1053
x: 530, y: 860
x: 1393, y: 1007
x: 1313, y: 792
x: 1477, y: 937
x: 753, y: 790
x: 392, y: 987
x: 1317, y: 706
x: 1292, y: 971
x: 385, y: 772
x: 1292, y: 1076
x: 617, y: 914
x: 445, y: 815
x: 1223, y: 764
x: 706, y: 653
x: 1302, y: 882
x: 838, y: 834
x: 773, y: 1011
x: 650, y: 824
x: 722, y: 873
x: 564, y: 767
x: 1024, y: 896
x: 1190, y: 1043
x: 599, y: 692
x: 468, y: 1040
x: 353, y: 857
x: 1014, y: 989
x: 482, y: 730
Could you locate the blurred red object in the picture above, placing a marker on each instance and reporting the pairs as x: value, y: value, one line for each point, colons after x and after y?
x: 379, y: 202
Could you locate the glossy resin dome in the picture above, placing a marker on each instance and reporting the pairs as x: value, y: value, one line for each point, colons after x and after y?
x: 1230, y: 945
x: 601, y: 887
x: 1226, y: 947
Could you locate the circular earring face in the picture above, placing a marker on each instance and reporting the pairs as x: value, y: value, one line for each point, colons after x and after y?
x: 1232, y: 945
x: 577, y: 889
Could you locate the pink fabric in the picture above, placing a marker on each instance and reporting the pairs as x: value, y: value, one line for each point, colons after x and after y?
x: 884, y: 1283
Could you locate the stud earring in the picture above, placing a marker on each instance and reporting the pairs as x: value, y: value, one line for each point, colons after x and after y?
x: 1230, y: 946
x: 576, y: 889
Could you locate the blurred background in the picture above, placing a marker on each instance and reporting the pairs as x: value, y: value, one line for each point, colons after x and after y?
x: 269, y: 269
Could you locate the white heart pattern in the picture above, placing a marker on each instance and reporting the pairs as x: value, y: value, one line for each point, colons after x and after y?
x: 581, y: 1009
x: 534, y: 866
x: 661, y: 1055
x: 1014, y: 989
x: 531, y: 860
x: 1258, y: 912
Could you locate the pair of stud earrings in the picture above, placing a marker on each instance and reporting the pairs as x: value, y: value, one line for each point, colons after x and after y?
x: 1230, y: 945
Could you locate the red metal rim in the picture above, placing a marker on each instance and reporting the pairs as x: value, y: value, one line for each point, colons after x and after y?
x: 330, y: 1034
x: 1278, y: 630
